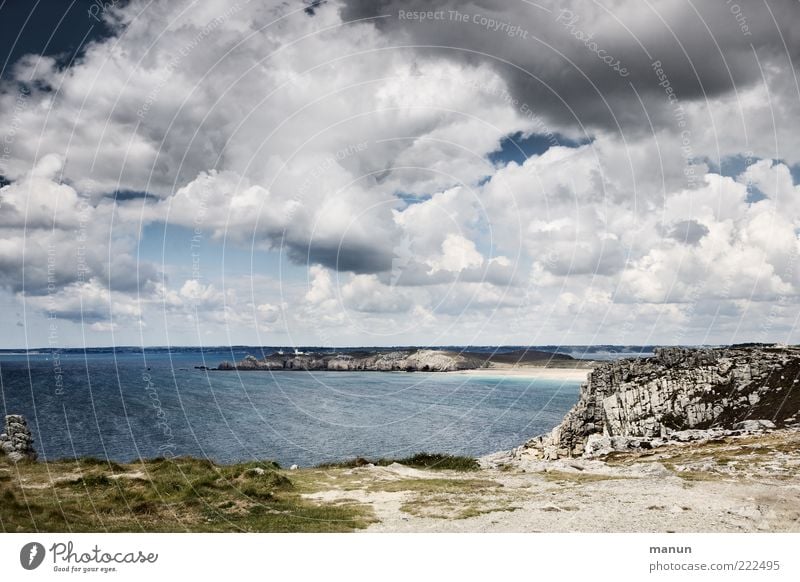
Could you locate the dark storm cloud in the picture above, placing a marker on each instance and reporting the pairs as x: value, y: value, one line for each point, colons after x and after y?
x: 43, y: 276
x: 126, y: 273
x: 578, y: 63
x: 342, y: 256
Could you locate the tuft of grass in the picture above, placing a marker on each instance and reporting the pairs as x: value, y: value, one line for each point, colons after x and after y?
x: 436, y: 461
x: 347, y: 464
x: 94, y: 480
x: 95, y: 462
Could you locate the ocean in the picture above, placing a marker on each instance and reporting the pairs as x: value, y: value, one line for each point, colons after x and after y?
x: 129, y: 405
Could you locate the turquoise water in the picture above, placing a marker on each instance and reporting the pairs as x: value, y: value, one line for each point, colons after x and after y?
x: 129, y: 406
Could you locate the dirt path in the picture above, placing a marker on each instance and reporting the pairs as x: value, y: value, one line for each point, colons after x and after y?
x: 739, y: 486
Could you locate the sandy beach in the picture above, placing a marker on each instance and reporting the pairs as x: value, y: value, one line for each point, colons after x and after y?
x: 529, y: 372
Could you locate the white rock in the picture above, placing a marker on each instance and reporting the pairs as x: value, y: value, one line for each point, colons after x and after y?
x: 754, y: 425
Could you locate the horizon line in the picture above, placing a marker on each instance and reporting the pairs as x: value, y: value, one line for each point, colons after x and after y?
x: 438, y: 346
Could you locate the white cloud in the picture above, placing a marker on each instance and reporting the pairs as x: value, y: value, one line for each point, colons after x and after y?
x: 458, y: 254
x: 367, y: 164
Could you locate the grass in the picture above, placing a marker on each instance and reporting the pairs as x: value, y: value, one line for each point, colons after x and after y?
x: 435, y: 461
x: 452, y: 510
x: 163, y: 495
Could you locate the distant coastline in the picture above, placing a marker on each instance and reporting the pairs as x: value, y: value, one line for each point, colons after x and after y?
x: 400, y: 360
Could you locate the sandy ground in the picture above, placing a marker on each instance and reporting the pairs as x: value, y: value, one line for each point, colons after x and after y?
x: 719, y: 488
x: 529, y: 372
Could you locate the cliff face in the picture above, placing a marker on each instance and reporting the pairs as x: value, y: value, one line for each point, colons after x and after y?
x: 676, y: 390
x: 401, y: 360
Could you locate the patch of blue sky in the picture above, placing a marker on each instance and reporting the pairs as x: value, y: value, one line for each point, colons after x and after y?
x: 734, y: 166
x: 518, y: 147
x: 186, y: 255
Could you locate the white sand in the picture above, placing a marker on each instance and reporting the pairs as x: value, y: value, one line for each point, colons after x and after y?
x: 529, y: 372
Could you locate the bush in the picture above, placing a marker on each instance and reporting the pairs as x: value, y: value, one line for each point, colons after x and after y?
x: 439, y: 461
x: 435, y: 461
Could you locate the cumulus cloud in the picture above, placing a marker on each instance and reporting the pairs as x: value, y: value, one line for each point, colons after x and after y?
x: 354, y: 141
x: 52, y: 237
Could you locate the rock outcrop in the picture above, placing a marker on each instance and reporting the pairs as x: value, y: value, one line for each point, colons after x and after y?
x: 408, y: 360
x: 17, y: 441
x: 639, y: 403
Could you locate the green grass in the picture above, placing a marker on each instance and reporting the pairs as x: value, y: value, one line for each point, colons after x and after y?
x: 436, y: 461
x: 163, y: 496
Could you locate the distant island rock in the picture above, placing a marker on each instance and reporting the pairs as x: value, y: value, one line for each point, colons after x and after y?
x: 679, y: 395
x: 405, y: 360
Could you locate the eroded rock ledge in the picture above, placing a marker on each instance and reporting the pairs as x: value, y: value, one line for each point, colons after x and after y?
x: 407, y: 360
x: 679, y: 395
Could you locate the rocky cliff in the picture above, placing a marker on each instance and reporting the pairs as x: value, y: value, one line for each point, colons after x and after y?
x: 401, y: 360
x: 17, y: 441
x: 408, y: 360
x: 642, y: 402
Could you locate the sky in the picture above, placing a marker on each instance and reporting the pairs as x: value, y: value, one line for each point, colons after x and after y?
x: 360, y: 172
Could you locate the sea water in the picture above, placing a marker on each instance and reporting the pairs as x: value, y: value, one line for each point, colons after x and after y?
x: 126, y: 406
